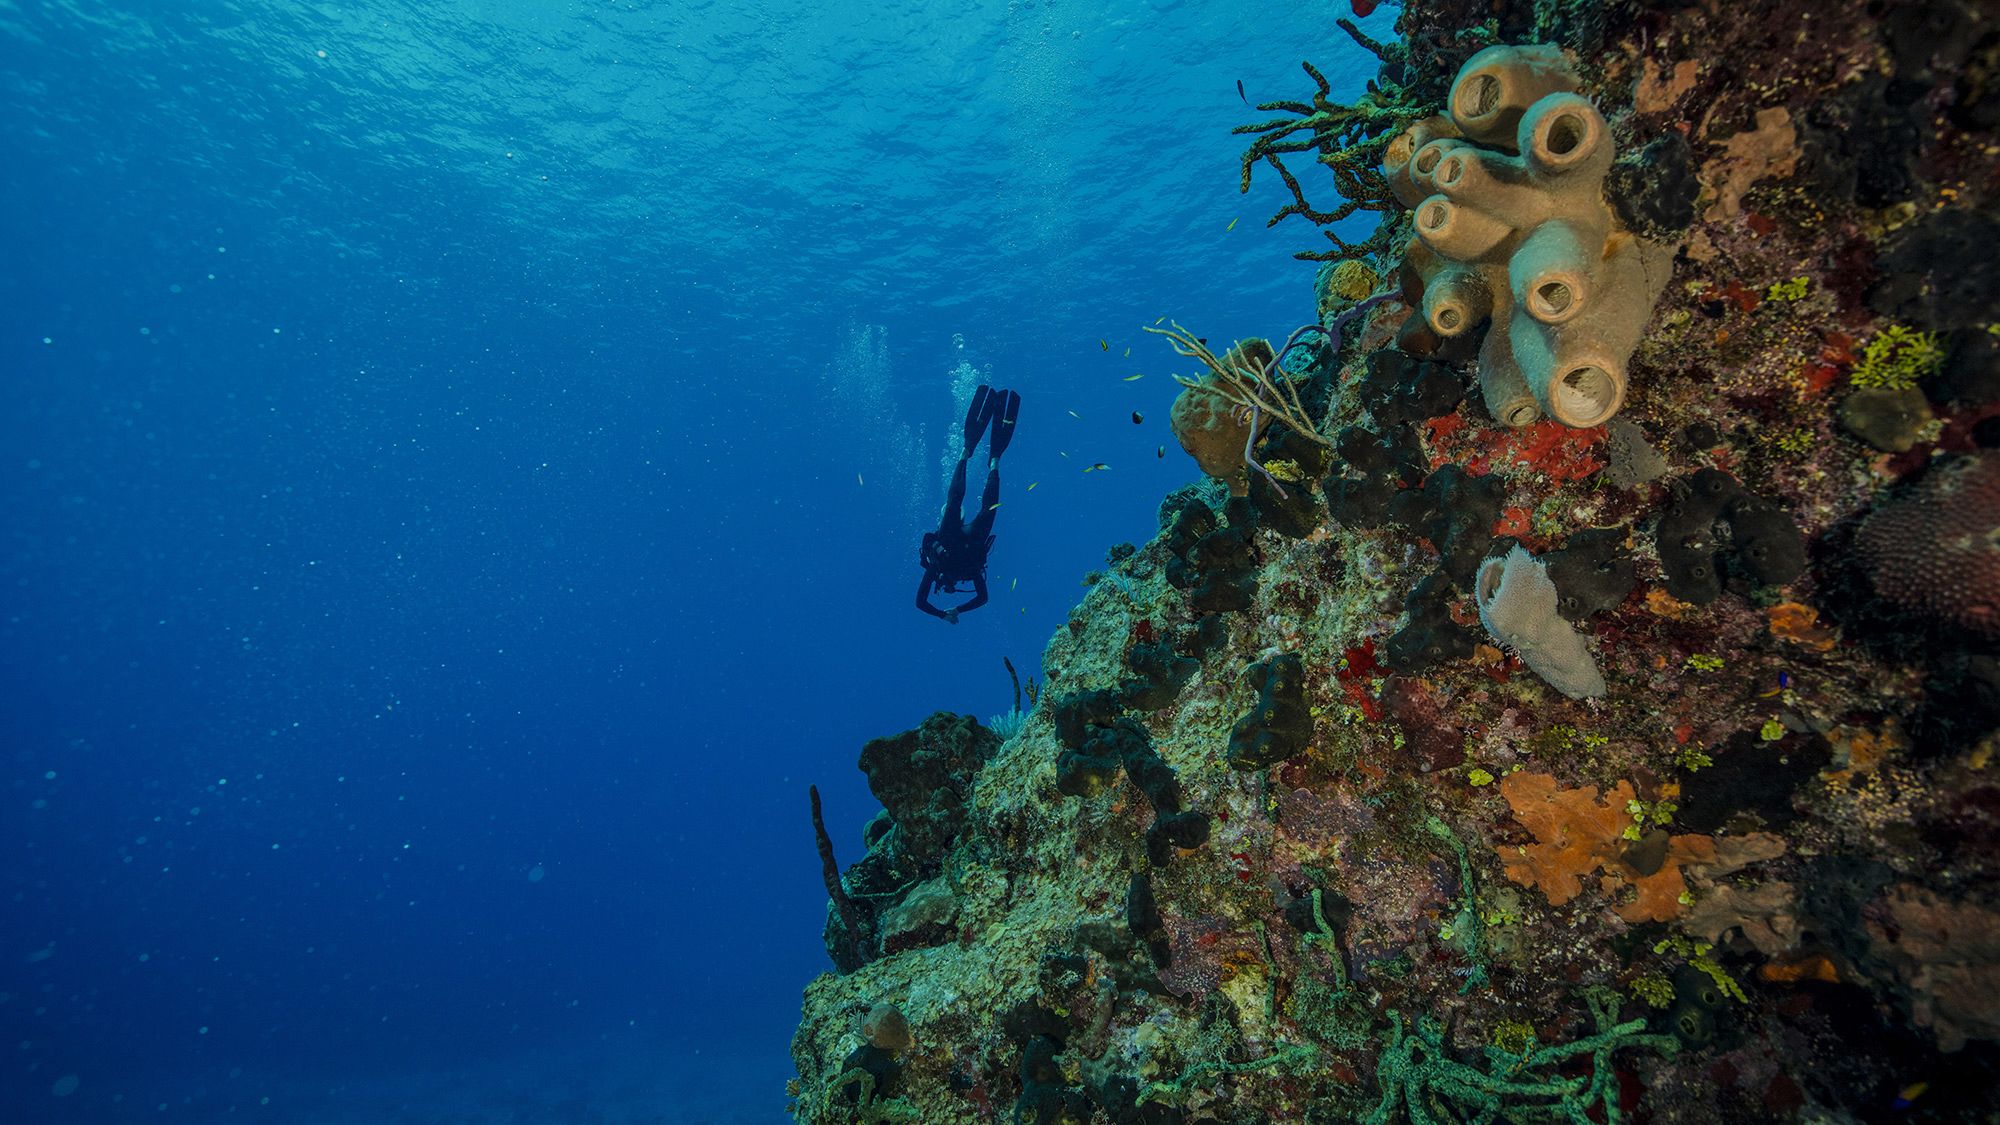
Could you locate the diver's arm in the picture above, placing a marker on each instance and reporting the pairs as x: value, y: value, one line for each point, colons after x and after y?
x: 924, y: 587
x: 978, y: 594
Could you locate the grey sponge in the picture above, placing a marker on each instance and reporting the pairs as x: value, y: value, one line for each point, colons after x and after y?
x: 1517, y: 603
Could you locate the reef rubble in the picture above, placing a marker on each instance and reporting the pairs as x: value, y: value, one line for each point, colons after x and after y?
x: 1493, y: 768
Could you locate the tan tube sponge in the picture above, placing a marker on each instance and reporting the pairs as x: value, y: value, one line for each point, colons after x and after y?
x: 1512, y: 224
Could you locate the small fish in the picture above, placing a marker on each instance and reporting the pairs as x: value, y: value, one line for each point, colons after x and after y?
x: 1076, y: 416
x: 1014, y: 585
x: 995, y: 507
x: 1103, y: 347
x: 1163, y: 453
x: 1240, y: 93
x: 858, y: 480
x: 1138, y: 419
x: 1096, y: 467
x: 1910, y: 1094
x: 1063, y: 453
x: 1031, y: 486
x: 1133, y: 378
x: 1159, y: 322
x: 1128, y: 353
x: 1232, y: 224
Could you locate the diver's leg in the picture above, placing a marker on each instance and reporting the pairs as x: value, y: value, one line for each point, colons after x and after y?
x: 1008, y: 408
x: 953, y: 523
x: 977, y: 415
x: 989, y: 500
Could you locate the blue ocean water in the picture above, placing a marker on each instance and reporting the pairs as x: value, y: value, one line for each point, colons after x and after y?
x: 462, y: 466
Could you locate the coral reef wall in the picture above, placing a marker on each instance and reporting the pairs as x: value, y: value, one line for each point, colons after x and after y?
x: 1691, y: 815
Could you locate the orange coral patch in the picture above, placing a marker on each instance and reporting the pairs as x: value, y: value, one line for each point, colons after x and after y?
x: 1866, y: 749
x: 1577, y: 833
x: 1571, y: 828
x: 1799, y: 623
x: 1660, y: 893
x: 1817, y: 378
x: 1816, y: 967
x: 1445, y: 425
x: 1666, y: 605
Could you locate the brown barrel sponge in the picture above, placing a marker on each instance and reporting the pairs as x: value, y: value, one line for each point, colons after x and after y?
x: 886, y: 1029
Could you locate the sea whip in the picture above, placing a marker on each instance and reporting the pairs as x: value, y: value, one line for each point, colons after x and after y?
x: 831, y: 870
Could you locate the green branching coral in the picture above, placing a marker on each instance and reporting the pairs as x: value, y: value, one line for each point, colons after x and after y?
x: 1692, y: 758
x: 1465, y: 931
x: 1896, y: 358
x: 1419, y: 1073
x: 1330, y: 1013
x: 1289, y: 1057
x: 1648, y: 814
x: 1796, y: 441
x: 1348, y: 139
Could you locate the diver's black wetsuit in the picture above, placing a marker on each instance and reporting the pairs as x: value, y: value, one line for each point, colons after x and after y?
x: 955, y: 553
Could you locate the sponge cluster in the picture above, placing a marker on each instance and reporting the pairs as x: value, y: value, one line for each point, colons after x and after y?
x: 1512, y: 227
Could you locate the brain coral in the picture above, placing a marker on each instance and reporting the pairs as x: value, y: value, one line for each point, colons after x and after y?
x: 1937, y: 549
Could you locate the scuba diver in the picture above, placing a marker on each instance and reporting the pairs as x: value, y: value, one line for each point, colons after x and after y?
x: 955, y: 553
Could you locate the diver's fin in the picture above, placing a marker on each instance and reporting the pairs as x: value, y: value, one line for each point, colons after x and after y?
x: 977, y: 415
x: 1003, y: 426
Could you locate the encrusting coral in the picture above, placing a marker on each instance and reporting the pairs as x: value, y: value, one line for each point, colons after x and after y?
x: 1949, y: 955
x: 1512, y: 226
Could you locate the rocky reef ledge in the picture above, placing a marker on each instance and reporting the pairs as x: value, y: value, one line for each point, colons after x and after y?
x: 1444, y: 760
